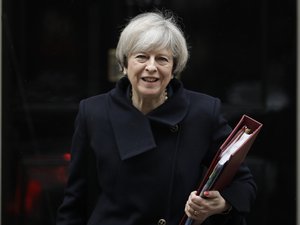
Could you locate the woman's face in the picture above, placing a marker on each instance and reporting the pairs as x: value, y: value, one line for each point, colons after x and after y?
x: 150, y: 72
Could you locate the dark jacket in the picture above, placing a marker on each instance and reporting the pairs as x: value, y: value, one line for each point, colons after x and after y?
x: 143, y: 167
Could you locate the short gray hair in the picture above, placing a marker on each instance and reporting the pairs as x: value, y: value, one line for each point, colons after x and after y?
x: 152, y: 31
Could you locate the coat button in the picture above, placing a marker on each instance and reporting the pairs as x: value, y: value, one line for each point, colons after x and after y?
x: 174, y: 128
x: 162, y: 222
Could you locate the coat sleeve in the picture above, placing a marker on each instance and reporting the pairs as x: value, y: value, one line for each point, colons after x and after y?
x: 240, y: 194
x: 73, y: 208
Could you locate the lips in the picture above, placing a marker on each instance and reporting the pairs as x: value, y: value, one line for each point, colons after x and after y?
x: 150, y: 79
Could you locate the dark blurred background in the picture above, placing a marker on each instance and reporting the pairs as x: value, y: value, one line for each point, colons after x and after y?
x: 56, y: 52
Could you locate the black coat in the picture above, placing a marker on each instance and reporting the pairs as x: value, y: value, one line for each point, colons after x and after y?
x: 144, y: 167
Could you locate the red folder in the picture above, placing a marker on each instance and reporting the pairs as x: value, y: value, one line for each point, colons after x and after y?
x: 227, y: 171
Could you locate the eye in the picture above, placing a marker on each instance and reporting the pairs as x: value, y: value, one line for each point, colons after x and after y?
x: 141, y: 57
x: 162, y: 60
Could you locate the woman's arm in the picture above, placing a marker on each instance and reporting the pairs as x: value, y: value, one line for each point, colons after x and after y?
x: 73, y: 209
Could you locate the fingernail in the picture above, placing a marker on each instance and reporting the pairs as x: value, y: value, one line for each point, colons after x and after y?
x: 206, y: 193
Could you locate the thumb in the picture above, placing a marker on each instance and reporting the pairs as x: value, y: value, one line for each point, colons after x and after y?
x: 210, y: 194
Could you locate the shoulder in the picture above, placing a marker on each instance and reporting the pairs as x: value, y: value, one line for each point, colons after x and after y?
x: 198, y: 96
x: 94, y: 99
x: 195, y: 99
x: 203, y: 101
x: 205, y: 109
x: 93, y: 104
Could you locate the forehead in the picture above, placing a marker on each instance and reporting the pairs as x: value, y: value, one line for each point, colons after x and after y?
x: 163, y: 51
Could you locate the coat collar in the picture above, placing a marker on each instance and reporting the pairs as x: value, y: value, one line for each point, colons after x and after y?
x: 132, y: 128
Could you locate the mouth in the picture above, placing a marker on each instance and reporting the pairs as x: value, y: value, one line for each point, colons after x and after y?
x: 150, y: 79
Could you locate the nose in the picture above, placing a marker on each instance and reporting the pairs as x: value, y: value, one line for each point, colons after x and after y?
x: 151, y: 66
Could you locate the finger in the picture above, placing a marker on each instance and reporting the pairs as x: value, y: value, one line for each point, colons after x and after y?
x: 196, y: 199
x: 195, y: 209
x: 193, y: 195
x: 211, y: 194
x: 193, y: 199
x: 196, y: 216
x: 189, y: 211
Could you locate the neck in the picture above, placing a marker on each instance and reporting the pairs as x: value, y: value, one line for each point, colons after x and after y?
x: 146, y: 105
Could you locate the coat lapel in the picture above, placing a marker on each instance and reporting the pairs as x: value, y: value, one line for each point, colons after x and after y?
x: 131, y: 128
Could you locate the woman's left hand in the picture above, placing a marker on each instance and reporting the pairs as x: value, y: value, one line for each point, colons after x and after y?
x: 199, y: 209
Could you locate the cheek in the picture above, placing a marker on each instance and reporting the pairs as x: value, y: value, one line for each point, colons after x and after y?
x: 134, y: 68
x: 168, y: 74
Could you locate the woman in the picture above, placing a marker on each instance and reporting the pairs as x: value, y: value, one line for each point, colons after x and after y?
x: 144, y: 145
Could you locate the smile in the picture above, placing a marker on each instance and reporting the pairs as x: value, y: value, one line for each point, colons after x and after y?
x: 150, y: 79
